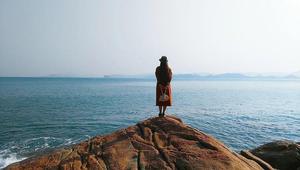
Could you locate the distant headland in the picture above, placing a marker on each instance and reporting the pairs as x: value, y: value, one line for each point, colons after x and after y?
x: 182, y: 76
x: 222, y: 76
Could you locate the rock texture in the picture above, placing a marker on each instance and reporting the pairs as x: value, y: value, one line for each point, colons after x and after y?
x: 161, y: 143
x: 283, y: 155
x: 262, y: 163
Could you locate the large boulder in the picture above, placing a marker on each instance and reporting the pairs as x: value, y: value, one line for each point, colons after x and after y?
x: 262, y: 163
x: 161, y: 143
x: 283, y: 155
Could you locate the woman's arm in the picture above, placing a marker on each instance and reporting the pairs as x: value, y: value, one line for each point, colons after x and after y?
x: 170, y: 75
x: 156, y: 73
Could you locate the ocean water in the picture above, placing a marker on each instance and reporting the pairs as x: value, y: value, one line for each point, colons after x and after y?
x: 38, y: 114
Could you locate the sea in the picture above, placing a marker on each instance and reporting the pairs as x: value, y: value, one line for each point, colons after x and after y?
x: 40, y: 114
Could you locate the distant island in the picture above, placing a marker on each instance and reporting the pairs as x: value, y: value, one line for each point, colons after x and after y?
x: 223, y: 76
x: 185, y: 76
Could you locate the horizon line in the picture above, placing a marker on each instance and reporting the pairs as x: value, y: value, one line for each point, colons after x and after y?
x: 236, y: 75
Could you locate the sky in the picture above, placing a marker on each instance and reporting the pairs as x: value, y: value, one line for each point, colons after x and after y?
x: 100, y: 37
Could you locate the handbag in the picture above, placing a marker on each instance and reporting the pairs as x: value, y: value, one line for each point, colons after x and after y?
x: 163, y: 97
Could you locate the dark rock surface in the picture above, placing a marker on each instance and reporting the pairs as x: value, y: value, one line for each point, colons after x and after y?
x: 262, y: 163
x: 283, y: 155
x: 156, y: 143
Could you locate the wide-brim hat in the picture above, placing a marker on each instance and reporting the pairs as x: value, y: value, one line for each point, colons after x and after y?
x: 163, y: 59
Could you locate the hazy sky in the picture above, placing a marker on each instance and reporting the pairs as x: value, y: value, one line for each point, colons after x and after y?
x: 89, y: 37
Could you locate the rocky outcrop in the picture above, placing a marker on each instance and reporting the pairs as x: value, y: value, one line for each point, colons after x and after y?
x: 283, y: 155
x: 262, y: 163
x: 162, y: 143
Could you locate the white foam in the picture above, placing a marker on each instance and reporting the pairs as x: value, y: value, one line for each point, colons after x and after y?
x: 12, y: 155
x: 6, y: 159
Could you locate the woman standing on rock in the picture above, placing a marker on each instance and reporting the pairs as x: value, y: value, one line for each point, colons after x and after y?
x: 163, y: 75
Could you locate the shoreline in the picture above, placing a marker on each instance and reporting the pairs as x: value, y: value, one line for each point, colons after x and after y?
x: 159, y: 126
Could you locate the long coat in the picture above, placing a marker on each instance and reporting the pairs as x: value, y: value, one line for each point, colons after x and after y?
x: 163, y: 81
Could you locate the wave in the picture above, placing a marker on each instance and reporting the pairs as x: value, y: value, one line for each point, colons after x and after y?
x: 16, y: 151
x: 7, y: 158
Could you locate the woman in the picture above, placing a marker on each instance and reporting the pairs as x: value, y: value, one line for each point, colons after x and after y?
x: 163, y: 75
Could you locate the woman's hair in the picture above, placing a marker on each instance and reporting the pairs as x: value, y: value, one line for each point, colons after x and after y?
x: 164, y: 70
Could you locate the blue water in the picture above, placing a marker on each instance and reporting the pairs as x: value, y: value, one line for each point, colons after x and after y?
x: 43, y: 113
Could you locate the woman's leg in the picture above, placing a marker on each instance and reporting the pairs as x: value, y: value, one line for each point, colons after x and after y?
x: 160, y: 108
x: 164, y: 109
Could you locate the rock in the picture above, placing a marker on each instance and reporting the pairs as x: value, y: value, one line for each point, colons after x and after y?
x: 162, y: 143
x: 283, y: 155
x: 262, y: 163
